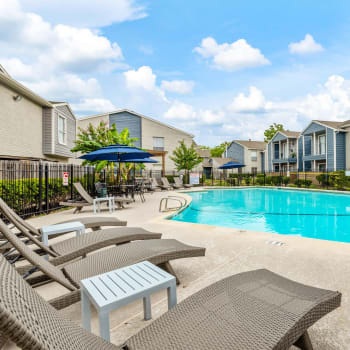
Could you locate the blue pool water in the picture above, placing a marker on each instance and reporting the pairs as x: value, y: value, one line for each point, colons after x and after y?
x: 291, y: 212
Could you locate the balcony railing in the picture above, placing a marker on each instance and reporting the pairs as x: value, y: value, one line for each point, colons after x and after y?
x: 158, y: 148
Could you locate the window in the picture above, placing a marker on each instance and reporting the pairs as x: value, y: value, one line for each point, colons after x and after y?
x: 62, y: 130
x: 254, y: 155
x: 158, y: 143
x: 322, y: 144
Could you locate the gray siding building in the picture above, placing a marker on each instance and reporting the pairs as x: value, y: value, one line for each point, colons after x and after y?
x: 32, y: 128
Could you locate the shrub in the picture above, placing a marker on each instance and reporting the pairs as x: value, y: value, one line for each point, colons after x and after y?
x: 298, y: 182
x: 307, y: 183
x: 276, y: 180
x: 338, y: 179
x: 268, y: 180
x: 171, y: 178
x: 247, y: 180
x: 260, y: 179
x: 286, y: 180
x: 322, y: 179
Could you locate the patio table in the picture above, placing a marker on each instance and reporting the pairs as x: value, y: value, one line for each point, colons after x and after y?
x: 111, y: 290
x: 67, y: 227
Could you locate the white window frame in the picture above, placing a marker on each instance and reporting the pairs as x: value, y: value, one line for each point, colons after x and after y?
x: 254, y: 158
x: 319, y: 144
x: 64, y: 129
x: 158, y: 138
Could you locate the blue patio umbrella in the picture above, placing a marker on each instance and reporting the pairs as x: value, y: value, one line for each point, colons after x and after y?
x: 117, y: 153
x: 231, y: 165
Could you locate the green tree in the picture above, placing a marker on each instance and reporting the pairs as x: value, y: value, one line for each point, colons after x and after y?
x: 93, y: 138
x: 217, y: 151
x: 185, y: 158
x: 271, y: 131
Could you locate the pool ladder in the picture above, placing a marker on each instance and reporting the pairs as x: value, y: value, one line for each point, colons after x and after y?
x: 163, y: 205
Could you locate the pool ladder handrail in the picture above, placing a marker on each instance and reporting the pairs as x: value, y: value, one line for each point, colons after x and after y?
x: 181, y: 200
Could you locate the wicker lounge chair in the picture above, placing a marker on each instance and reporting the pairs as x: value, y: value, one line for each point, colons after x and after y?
x: 165, y: 184
x: 93, y: 222
x: 88, y: 200
x: 154, y: 185
x: 75, y: 247
x: 180, y: 183
x: 249, y: 311
x: 157, y: 251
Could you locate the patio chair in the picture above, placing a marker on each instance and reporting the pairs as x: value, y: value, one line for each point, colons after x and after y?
x: 165, y: 184
x: 88, y: 200
x: 77, y: 247
x: 179, y: 182
x: 154, y: 185
x: 157, y: 251
x: 93, y: 222
x: 251, y: 310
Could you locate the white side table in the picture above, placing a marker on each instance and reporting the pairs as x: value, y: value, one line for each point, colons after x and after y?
x: 114, y: 289
x: 97, y: 203
x: 49, y: 230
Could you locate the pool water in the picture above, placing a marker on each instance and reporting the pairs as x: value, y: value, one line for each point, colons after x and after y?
x: 291, y: 212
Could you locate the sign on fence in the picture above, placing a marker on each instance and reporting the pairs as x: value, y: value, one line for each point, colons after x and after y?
x: 65, y: 178
x: 194, y: 178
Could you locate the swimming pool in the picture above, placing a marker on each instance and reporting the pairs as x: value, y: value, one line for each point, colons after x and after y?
x: 291, y: 212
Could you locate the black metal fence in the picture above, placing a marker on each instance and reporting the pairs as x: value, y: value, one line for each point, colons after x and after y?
x: 32, y: 187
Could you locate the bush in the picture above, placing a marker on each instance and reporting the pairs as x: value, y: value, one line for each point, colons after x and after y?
x: 298, y: 182
x: 286, y: 180
x: 338, y: 179
x: 276, y: 180
x: 268, y: 180
x: 307, y: 183
x: 171, y: 178
x: 247, y: 180
x: 322, y: 179
x: 260, y: 179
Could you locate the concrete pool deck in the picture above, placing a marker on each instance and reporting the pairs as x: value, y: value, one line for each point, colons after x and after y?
x: 319, y: 263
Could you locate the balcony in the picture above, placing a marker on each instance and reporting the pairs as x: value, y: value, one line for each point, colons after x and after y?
x: 314, y: 157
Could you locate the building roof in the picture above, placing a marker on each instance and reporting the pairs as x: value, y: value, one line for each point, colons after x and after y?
x: 21, y: 90
x: 137, y: 114
x: 290, y: 133
x: 259, y: 145
x: 329, y: 123
x: 203, y: 152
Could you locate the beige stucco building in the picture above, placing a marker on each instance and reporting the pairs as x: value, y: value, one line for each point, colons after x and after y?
x: 31, y: 127
x: 158, y: 138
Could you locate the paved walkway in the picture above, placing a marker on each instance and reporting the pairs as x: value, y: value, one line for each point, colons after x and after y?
x: 320, y: 263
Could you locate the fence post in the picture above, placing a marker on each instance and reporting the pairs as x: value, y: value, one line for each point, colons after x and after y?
x: 40, y: 187
x: 264, y: 178
x: 47, y: 187
x: 71, y: 180
x: 212, y: 176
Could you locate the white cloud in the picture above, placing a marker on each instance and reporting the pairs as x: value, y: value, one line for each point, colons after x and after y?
x: 254, y: 102
x: 49, y: 48
x: 142, y: 78
x: 210, y: 117
x: 66, y: 86
x: 178, y: 86
x: 83, y: 13
x: 306, y: 46
x: 180, y: 111
x: 230, y: 57
x: 98, y: 105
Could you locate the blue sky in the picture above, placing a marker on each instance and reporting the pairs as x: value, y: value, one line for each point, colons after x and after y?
x: 221, y: 70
